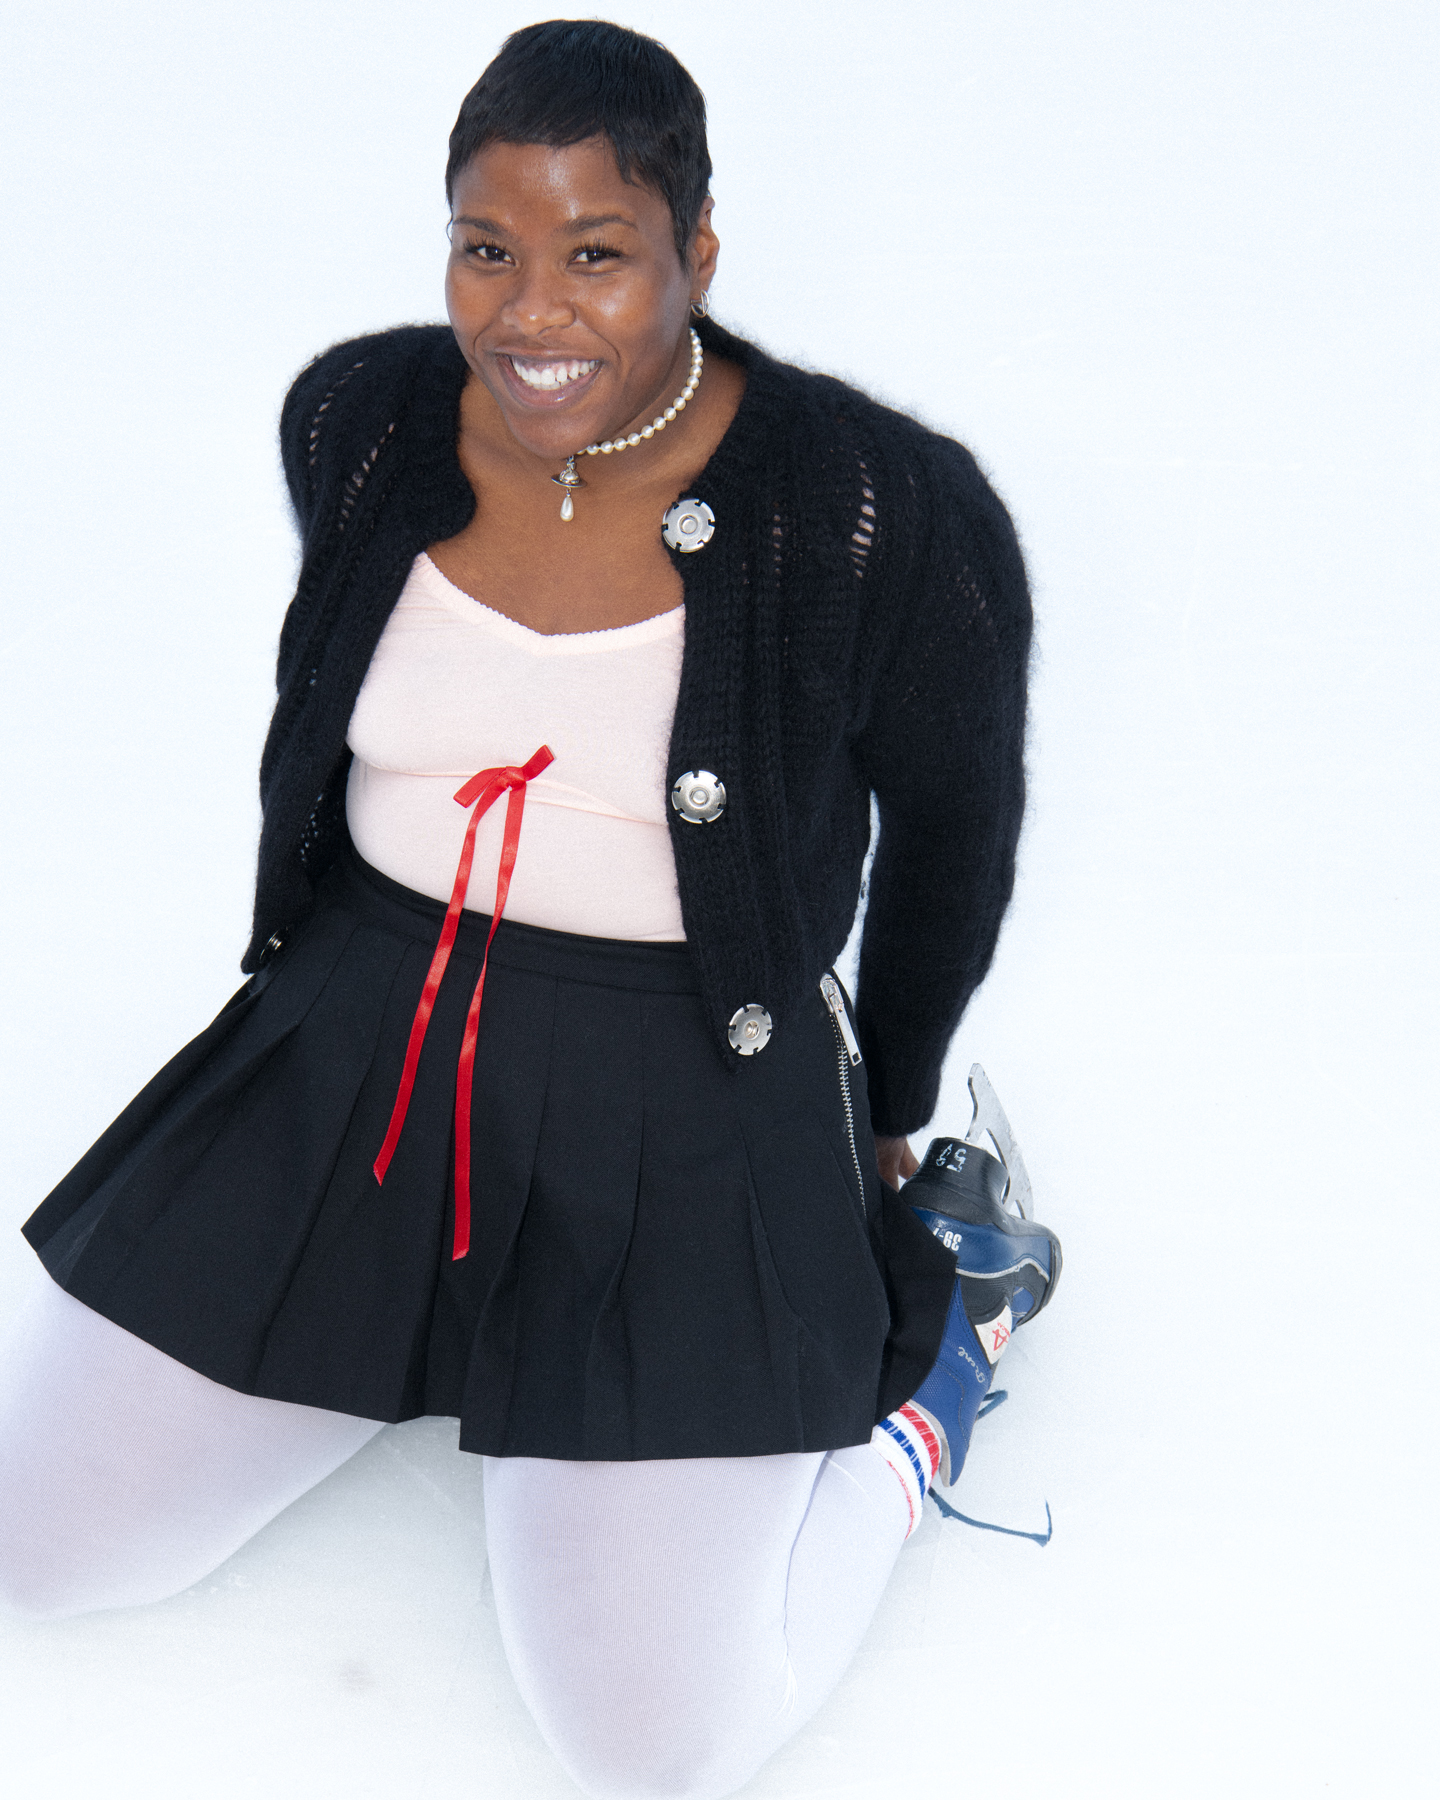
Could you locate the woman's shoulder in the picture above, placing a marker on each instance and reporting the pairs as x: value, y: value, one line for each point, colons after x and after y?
x: 831, y: 432
x: 347, y: 400
x: 360, y: 370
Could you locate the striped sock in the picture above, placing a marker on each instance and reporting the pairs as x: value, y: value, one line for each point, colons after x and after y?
x: 908, y: 1441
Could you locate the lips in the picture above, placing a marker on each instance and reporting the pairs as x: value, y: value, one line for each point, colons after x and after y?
x: 547, y: 380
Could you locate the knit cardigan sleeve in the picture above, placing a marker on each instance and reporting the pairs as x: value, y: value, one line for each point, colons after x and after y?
x: 315, y: 421
x: 365, y: 499
x: 943, y: 751
x: 312, y: 433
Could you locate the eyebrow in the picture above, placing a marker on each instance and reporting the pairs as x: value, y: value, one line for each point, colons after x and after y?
x: 590, y: 222
x: 593, y: 221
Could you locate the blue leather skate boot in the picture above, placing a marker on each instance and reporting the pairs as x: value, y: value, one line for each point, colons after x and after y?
x: 978, y: 1205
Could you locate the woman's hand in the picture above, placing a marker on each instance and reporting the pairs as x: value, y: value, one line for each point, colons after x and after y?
x: 898, y: 1161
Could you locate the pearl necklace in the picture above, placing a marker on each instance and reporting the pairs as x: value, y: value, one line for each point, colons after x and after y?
x: 569, y: 480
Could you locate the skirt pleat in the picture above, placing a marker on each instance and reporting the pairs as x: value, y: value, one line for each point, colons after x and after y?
x: 669, y: 1256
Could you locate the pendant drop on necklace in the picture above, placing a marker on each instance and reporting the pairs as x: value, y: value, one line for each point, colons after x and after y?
x: 569, y: 480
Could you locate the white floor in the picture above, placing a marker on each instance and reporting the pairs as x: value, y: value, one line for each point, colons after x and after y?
x: 1171, y: 273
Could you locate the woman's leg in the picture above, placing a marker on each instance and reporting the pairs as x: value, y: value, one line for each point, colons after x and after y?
x: 670, y: 1624
x: 125, y: 1476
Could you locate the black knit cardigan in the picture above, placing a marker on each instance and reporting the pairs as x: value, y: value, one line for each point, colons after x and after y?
x: 858, y: 625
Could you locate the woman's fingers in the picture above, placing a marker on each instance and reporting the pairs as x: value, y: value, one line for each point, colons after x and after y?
x: 897, y: 1160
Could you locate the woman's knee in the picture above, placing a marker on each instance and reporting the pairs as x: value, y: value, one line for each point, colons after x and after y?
x: 125, y: 1476
x: 52, y: 1567
x: 37, y: 1594
x: 62, y: 1550
x: 648, y: 1729
x: 704, y: 1766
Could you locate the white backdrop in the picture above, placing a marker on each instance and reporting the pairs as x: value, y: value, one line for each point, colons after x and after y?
x: 1170, y: 271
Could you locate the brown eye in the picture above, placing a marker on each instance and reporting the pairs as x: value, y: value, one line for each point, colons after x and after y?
x: 593, y: 253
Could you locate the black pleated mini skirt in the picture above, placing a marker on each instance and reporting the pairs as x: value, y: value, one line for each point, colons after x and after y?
x: 669, y: 1256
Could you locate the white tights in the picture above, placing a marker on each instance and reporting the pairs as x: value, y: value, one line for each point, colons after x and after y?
x: 669, y: 1624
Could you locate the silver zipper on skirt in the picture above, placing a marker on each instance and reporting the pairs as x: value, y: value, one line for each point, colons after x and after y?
x: 848, y: 1053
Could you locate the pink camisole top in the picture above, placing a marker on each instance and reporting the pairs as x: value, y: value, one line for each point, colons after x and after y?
x: 455, y: 687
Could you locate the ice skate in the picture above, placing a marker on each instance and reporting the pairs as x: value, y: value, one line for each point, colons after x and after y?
x: 978, y: 1205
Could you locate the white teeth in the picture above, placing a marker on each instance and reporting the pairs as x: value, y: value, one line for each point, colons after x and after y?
x: 550, y: 374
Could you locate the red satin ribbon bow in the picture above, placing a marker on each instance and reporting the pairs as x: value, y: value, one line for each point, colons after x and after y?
x: 480, y: 791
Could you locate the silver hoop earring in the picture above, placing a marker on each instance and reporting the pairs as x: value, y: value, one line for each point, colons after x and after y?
x: 701, y: 307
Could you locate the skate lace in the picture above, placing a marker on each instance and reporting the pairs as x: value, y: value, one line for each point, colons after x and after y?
x: 1035, y: 1537
x: 991, y: 1401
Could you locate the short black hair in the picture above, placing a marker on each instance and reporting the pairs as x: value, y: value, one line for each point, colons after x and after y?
x: 571, y: 79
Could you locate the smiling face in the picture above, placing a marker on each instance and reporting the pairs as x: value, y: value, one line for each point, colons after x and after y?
x: 566, y: 295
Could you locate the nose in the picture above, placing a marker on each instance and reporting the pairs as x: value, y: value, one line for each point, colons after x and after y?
x: 538, y: 302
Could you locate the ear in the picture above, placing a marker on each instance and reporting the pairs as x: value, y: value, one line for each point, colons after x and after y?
x: 704, y: 251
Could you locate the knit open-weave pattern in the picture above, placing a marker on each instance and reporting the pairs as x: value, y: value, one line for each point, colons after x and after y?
x: 859, y: 624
